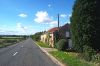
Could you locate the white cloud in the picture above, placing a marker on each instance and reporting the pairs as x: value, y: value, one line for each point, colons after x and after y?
x: 43, y: 17
x: 49, y: 5
x: 53, y: 22
x: 67, y: 22
x: 63, y: 15
x: 51, y: 25
x: 18, y: 25
x: 22, y: 15
x: 21, y: 27
x: 4, y: 26
x: 25, y: 30
x: 8, y: 32
x: 70, y: 15
x: 1, y: 30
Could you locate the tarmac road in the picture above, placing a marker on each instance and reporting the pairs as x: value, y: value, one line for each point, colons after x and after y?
x: 25, y: 53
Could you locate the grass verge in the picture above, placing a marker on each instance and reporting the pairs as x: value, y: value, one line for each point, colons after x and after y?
x: 7, y: 42
x: 4, y: 45
x: 43, y: 44
x: 69, y: 59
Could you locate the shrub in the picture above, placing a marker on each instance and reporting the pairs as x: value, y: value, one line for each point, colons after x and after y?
x: 96, y: 58
x: 70, y: 50
x: 62, y: 45
x: 85, y: 24
x: 88, y: 53
x: 10, y: 41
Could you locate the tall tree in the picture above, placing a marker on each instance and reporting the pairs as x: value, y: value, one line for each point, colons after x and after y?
x: 36, y: 36
x: 85, y: 24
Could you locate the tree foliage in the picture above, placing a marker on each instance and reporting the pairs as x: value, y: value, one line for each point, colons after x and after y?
x: 37, y: 36
x: 62, y: 44
x: 85, y: 24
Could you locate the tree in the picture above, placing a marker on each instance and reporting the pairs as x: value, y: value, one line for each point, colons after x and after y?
x: 36, y: 36
x: 56, y: 38
x: 62, y: 45
x: 85, y: 24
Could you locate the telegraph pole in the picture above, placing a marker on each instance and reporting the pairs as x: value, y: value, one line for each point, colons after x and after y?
x: 58, y: 21
x: 58, y: 28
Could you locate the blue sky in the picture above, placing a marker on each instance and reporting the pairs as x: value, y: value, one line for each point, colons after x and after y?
x: 31, y: 16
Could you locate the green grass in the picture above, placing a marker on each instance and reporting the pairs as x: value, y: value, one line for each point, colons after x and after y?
x: 43, y: 44
x: 4, y: 42
x: 11, y: 37
x: 68, y: 59
x: 4, y: 45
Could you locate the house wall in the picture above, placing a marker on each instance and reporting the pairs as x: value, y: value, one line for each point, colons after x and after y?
x: 51, y: 40
x: 43, y: 38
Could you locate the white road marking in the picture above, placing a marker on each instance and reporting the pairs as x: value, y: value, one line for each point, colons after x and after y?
x: 15, y: 53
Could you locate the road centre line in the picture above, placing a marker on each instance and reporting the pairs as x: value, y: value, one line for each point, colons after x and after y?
x: 15, y: 53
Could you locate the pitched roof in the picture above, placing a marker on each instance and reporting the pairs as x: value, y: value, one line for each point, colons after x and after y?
x: 65, y: 27
x: 53, y: 29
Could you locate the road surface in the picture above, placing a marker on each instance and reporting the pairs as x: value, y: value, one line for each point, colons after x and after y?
x: 25, y: 53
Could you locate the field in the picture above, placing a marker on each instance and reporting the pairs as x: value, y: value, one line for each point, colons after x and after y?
x: 7, y: 41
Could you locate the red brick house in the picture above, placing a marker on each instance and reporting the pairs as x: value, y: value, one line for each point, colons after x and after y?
x: 64, y: 33
x: 52, y: 36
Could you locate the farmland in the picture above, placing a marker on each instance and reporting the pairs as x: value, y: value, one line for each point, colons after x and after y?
x: 10, y: 40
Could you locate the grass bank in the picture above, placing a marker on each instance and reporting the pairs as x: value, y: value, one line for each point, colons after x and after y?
x: 42, y: 44
x: 4, y: 45
x: 7, y: 41
x: 69, y: 59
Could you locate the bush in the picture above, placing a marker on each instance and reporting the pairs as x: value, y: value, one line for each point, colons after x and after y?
x: 10, y: 41
x: 70, y: 50
x: 85, y: 24
x: 96, y: 58
x: 62, y: 45
x: 88, y: 53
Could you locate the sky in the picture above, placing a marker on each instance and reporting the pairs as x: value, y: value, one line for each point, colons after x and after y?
x: 25, y: 17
